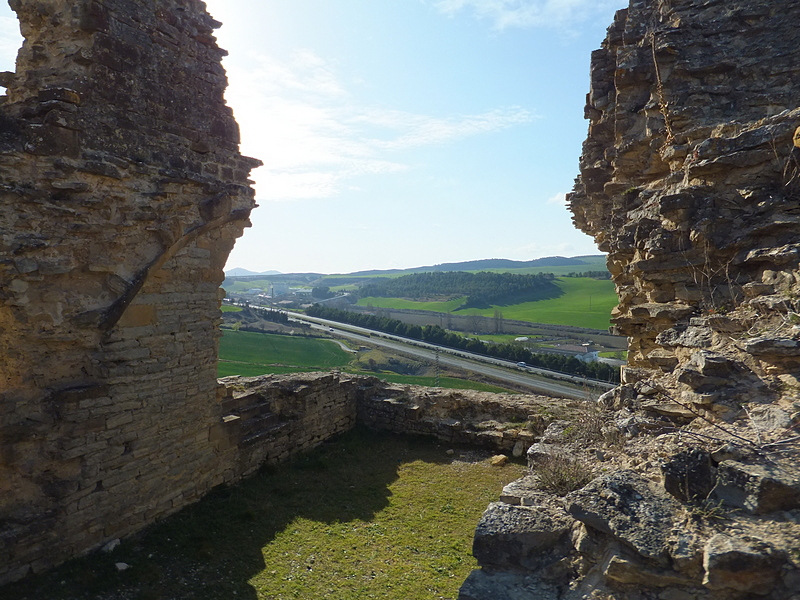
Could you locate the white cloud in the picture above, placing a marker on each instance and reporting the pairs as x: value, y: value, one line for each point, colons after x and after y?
x: 314, y: 138
x: 530, y: 13
x: 560, y: 199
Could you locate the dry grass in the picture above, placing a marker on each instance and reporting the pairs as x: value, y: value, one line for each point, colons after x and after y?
x: 561, y: 474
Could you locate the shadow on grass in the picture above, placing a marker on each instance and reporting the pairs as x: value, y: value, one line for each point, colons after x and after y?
x: 210, y: 550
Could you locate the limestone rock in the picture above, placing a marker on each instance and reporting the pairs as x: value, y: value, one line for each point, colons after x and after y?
x: 758, y: 488
x: 520, y: 537
x: 523, y: 492
x: 741, y: 564
x: 539, y: 452
x: 629, y: 508
x: 488, y: 585
x: 689, y: 475
x: 498, y: 460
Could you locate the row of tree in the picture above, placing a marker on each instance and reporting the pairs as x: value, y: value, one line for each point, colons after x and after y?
x: 267, y: 314
x: 481, y: 289
x: 434, y: 334
x: 592, y: 274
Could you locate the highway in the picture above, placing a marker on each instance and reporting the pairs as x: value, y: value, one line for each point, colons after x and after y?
x: 503, y: 370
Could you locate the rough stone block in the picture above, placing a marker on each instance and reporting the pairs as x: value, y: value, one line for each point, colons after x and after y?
x: 628, y: 507
x: 741, y: 564
x: 520, y: 537
x: 758, y: 488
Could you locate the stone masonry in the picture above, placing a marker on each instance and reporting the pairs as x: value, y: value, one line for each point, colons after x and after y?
x: 122, y: 191
x: 690, y: 180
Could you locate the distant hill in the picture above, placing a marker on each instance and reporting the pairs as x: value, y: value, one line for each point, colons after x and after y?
x: 561, y: 265
x: 240, y: 272
x: 495, y: 263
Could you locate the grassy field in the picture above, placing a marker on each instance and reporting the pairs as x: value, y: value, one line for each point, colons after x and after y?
x: 250, y: 354
x: 403, y: 304
x: 372, y: 515
x: 586, y: 303
x: 247, y: 353
x: 229, y: 308
x: 444, y: 382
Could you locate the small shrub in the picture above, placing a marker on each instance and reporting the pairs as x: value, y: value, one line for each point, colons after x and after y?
x: 561, y: 474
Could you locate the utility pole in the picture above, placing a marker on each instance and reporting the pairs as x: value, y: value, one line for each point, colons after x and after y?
x: 438, y: 368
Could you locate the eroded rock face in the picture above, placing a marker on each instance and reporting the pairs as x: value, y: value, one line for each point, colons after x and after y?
x: 689, y: 180
x: 122, y: 191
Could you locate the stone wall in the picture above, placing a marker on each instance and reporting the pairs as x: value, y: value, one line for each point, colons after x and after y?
x: 122, y: 191
x: 502, y: 423
x: 689, y: 180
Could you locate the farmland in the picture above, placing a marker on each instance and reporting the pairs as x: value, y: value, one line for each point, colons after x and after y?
x: 585, y: 302
x: 250, y: 354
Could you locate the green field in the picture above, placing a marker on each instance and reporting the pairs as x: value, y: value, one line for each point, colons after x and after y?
x: 586, y: 303
x: 403, y: 304
x: 229, y: 308
x: 248, y: 353
x: 243, y: 286
x: 444, y: 382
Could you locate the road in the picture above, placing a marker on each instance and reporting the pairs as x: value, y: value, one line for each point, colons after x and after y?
x: 530, y: 377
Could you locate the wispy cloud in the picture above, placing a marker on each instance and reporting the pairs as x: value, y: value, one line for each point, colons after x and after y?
x: 529, y: 13
x: 559, y: 199
x: 314, y: 137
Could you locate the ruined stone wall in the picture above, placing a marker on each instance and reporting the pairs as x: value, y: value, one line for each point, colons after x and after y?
x: 498, y: 422
x: 122, y: 191
x: 689, y: 180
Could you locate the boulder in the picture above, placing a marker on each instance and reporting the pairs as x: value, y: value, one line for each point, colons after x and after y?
x: 628, y: 507
x: 539, y: 452
x: 621, y: 569
x: 484, y: 585
x: 741, y: 564
x: 689, y: 475
x: 758, y: 489
x: 521, y: 537
x: 555, y: 432
x: 523, y: 492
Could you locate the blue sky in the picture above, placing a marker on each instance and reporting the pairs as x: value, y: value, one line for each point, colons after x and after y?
x: 399, y: 133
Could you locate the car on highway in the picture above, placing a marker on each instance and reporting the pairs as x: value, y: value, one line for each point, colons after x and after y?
x: 521, y: 364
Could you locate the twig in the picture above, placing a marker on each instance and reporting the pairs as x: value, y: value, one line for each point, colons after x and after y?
x: 710, y: 422
x: 755, y: 427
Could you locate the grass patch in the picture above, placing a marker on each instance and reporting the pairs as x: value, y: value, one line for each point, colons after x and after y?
x: 444, y: 382
x: 224, y: 369
x: 245, y: 350
x: 243, y: 286
x: 250, y: 354
x: 372, y: 515
x: 229, y: 308
x: 618, y: 354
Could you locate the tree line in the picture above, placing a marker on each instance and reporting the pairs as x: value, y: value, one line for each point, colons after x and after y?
x: 266, y: 314
x: 482, y: 289
x: 434, y: 334
x: 592, y: 274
